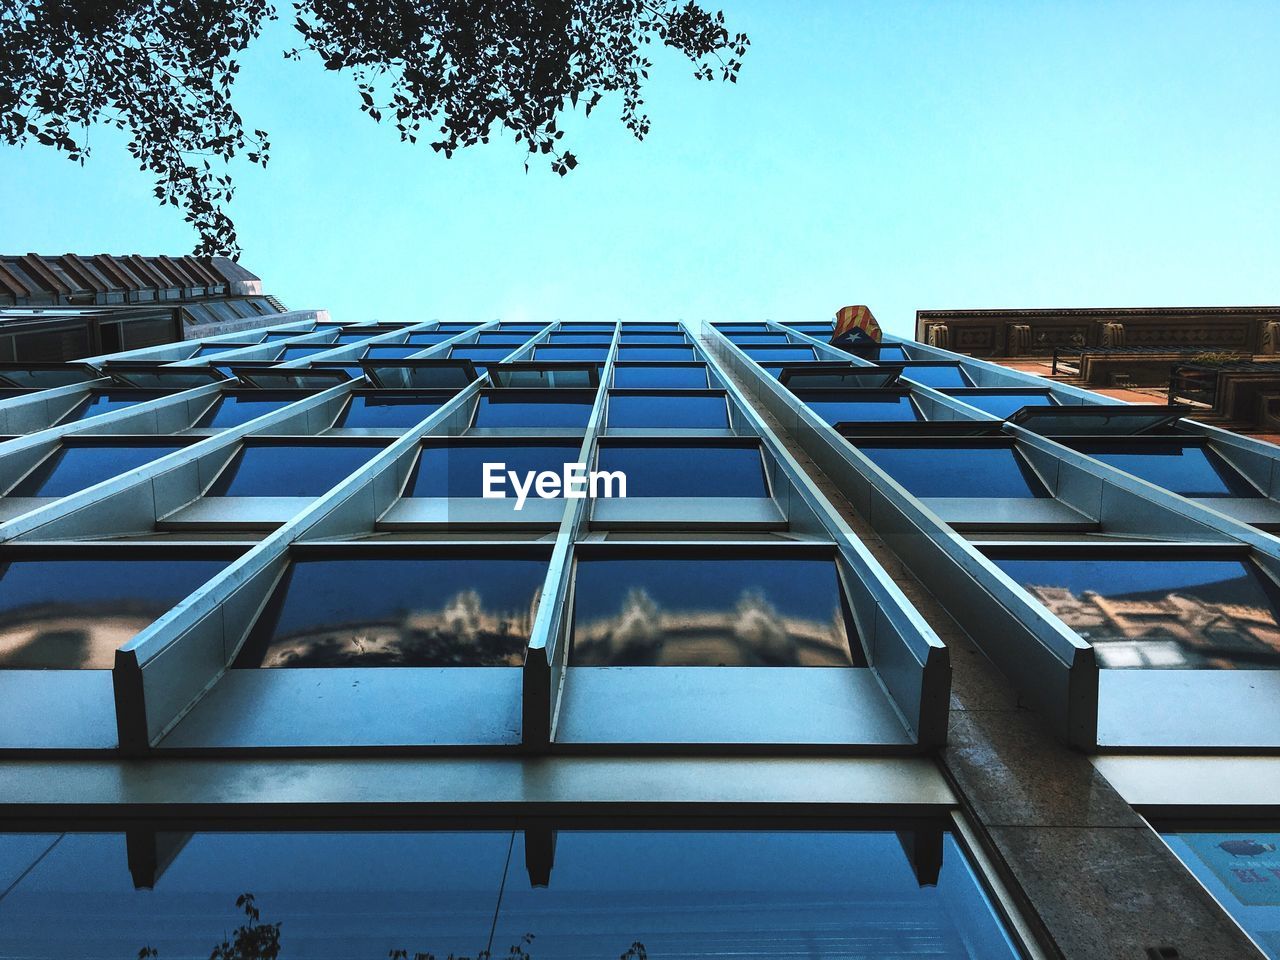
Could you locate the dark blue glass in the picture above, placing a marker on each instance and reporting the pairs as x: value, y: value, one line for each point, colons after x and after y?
x: 865, y: 406
x: 593, y: 354
x: 1186, y: 468
x: 295, y: 469
x: 655, y: 353
x: 662, y: 410
x: 688, y: 891
x: 455, y: 328
x: 944, y: 376
x: 651, y: 328
x: 356, y: 337
x: 211, y: 348
x: 481, y: 354
x: 1160, y: 611
x: 1004, y: 403
x: 97, y: 404
x: 1241, y: 871
x: 398, y: 612
x: 775, y: 355
x: 710, y: 611
x: 377, y: 410
x: 297, y: 353
x: 392, y: 351
x: 685, y: 471
x: 70, y: 469
x: 556, y: 409
x: 502, y: 339
x: 233, y: 409
x: 822, y: 331
x: 669, y: 377
x: 457, y: 470
x: 956, y: 471
x: 74, y: 614
x: 594, y: 339
x: 743, y: 339
x: 652, y: 337
x: 428, y: 339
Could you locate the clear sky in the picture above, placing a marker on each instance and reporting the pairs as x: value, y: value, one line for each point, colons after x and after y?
x: 904, y: 155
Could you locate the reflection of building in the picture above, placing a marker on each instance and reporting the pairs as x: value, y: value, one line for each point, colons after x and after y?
x: 1174, y: 630
x: 1223, y: 361
x: 84, y: 639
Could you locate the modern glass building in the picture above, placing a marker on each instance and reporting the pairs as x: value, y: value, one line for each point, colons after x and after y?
x: 891, y: 655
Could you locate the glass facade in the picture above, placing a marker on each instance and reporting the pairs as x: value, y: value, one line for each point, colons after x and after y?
x: 70, y: 469
x: 457, y: 469
x: 1188, y: 468
x: 294, y: 469
x: 930, y: 470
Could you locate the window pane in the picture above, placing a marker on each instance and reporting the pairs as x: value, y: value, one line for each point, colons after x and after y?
x: 290, y: 470
x: 1003, y: 403
x: 692, y: 377
x: 861, y: 406
x: 659, y: 410
x: 685, y: 471
x: 742, y: 339
x: 100, y: 403
x: 597, y: 354
x: 956, y: 471
x: 377, y: 410
x: 233, y: 409
x: 398, y: 612
x: 1241, y: 870
x: 655, y: 353
x: 696, y: 611
x: 655, y: 337
x: 597, y: 339
x: 297, y: 353
x: 74, y: 614
x: 391, y: 351
x: 944, y: 376
x: 457, y: 470
x: 1202, y: 613
x: 482, y: 354
x: 557, y: 409
x: 70, y: 469
x: 1186, y: 468
x: 775, y: 355
x: 427, y: 339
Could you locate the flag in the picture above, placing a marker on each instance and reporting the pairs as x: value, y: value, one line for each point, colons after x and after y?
x: 852, y: 321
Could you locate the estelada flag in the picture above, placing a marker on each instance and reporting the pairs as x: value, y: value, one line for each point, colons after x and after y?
x: 853, y: 320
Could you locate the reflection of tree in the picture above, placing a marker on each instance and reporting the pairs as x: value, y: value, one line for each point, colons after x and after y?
x: 255, y: 940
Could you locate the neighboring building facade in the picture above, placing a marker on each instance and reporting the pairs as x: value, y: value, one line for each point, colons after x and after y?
x: 1221, y: 361
x: 882, y: 655
x: 67, y: 307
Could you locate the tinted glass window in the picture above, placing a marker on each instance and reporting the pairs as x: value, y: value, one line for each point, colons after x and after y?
x: 945, y: 376
x: 233, y: 409
x: 1003, y: 403
x: 670, y: 377
x: 456, y: 327
x: 813, y: 329
x: 960, y: 471
x: 391, y: 351
x: 598, y: 339
x: 697, y: 611
x: 481, y: 354
x: 780, y: 354
x: 655, y: 353
x: 683, y: 471
x: 502, y: 339
x: 297, y: 353
x: 1188, y: 469
x: 659, y: 410
x: 863, y: 406
x: 656, y: 337
x: 571, y: 353
x: 356, y: 337
x: 290, y: 470
x: 375, y: 410
x: 457, y: 470
x: 99, y: 403
x: 427, y: 339
x: 398, y: 612
x: 1241, y: 870
x: 73, y: 614
x: 73, y: 468
x: 212, y: 348
x: 743, y: 339
x: 692, y: 894
x: 1157, y: 612
x: 556, y: 409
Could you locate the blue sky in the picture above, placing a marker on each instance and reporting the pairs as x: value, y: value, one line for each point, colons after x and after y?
x: 903, y: 155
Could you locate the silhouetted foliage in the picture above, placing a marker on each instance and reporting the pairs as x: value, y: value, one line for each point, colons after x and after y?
x: 453, y: 72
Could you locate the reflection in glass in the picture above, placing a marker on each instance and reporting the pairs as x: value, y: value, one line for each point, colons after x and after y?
x: 1203, y: 613
x: 233, y: 409
x: 550, y: 408
x: 296, y: 469
x: 943, y: 376
x: 74, y: 614
x: 717, y: 611
x: 389, y: 410
x: 97, y: 404
x: 956, y: 471
x: 1187, y: 468
x: 861, y: 406
x: 395, y: 611
x: 457, y: 470
x: 695, y: 894
x: 70, y: 469
x: 652, y: 410
x: 1003, y: 403
x: 1242, y: 872
x: 691, y: 377
x: 686, y: 471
